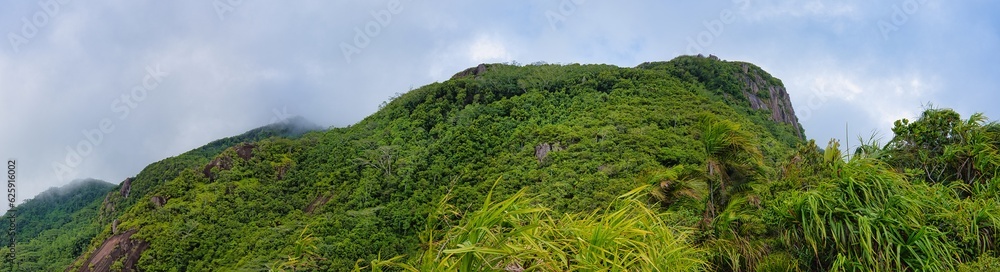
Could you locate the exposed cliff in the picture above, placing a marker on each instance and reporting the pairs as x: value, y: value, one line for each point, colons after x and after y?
x: 767, y: 93
x: 741, y: 84
x: 474, y: 71
x: 119, y: 253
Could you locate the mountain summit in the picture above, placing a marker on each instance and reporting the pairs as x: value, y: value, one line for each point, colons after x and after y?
x: 687, y: 165
x: 579, y: 135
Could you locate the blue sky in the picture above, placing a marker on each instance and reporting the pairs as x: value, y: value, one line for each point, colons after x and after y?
x: 168, y: 76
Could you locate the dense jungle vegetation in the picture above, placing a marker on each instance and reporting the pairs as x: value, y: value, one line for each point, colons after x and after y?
x: 42, y: 221
x: 667, y: 166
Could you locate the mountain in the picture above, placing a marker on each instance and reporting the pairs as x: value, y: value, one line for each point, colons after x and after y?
x: 580, y: 134
x: 690, y: 164
x: 744, y: 85
x: 55, y: 225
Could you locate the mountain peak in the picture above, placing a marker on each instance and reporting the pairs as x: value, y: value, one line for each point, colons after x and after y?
x: 740, y: 83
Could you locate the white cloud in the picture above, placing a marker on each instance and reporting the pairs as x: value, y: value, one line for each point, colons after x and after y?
x: 869, y: 101
x: 488, y: 49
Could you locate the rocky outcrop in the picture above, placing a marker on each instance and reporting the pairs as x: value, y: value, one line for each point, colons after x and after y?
x: 542, y: 150
x: 474, y: 71
x: 107, y: 207
x: 117, y: 247
x: 741, y: 83
x: 126, y: 187
x: 158, y: 201
x: 318, y: 202
x: 765, y: 94
x: 245, y: 151
x: 223, y: 163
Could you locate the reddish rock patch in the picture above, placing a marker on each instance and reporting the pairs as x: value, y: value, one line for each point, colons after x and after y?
x: 158, y: 201
x: 245, y: 151
x: 318, y: 202
x: 223, y: 163
x: 117, y: 247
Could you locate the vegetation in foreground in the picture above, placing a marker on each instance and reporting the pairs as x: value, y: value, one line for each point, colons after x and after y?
x: 819, y: 212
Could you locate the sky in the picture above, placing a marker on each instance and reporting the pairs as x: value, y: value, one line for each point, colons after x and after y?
x: 100, y: 89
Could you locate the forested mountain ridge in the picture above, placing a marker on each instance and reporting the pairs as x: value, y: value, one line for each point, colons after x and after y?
x: 579, y: 134
x: 55, y: 204
x: 56, y: 227
x: 688, y: 165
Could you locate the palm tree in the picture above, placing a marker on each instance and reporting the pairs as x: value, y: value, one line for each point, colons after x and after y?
x: 671, y: 185
x: 974, y: 155
x: 728, y: 150
x: 871, y: 148
x: 868, y: 217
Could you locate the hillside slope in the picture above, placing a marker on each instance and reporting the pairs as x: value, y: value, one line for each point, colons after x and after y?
x: 578, y: 135
x: 692, y: 164
x: 56, y: 227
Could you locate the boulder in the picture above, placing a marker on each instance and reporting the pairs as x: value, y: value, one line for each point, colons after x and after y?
x: 158, y: 201
x: 117, y: 247
x: 474, y: 71
x: 126, y: 187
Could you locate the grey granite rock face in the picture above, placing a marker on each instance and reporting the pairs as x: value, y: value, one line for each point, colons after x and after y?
x: 775, y: 97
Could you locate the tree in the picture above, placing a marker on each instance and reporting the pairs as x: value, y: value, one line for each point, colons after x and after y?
x: 919, y: 144
x: 382, y: 158
x: 728, y: 152
x: 679, y: 182
x: 947, y: 148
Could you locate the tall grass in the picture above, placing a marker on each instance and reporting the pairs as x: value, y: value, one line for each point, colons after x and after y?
x: 869, y: 218
x: 515, y: 235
